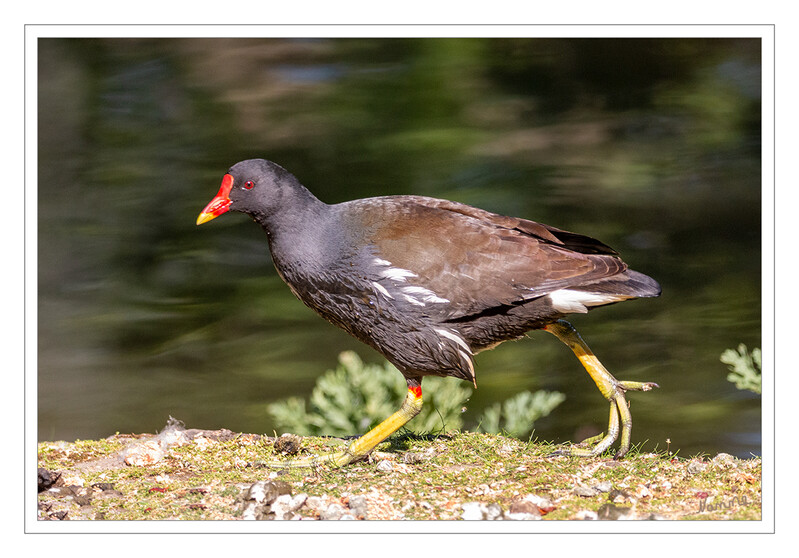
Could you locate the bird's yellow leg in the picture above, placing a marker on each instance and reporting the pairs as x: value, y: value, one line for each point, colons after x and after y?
x: 612, y: 389
x: 360, y: 447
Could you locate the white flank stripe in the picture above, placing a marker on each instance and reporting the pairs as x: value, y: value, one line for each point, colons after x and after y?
x: 469, y: 363
x: 397, y: 274
x: 413, y: 294
x: 454, y: 337
x: 382, y: 289
x: 412, y: 300
x: 426, y: 294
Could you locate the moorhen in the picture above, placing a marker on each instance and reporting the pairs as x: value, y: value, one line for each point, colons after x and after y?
x: 429, y: 283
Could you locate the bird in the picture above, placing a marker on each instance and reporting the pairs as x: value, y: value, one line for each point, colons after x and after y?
x: 429, y: 283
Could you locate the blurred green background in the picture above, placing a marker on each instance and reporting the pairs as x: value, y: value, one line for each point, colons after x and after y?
x: 650, y: 145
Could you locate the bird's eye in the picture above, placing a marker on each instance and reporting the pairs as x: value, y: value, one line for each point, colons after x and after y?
x: 249, y: 184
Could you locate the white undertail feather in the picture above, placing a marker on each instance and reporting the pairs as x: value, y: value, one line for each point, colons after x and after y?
x: 568, y: 301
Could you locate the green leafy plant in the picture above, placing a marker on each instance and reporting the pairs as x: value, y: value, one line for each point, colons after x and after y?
x: 745, y: 367
x: 356, y: 396
x: 516, y: 415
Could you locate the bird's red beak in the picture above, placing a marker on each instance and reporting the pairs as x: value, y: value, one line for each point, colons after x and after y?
x: 220, y: 204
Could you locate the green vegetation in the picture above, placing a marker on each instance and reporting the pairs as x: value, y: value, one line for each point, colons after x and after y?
x: 745, y: 368
x: 517, y: 414
x: 357, y: 396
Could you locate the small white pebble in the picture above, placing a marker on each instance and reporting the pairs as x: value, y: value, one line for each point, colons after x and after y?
x: 472, y: 511
x: 493, y: 512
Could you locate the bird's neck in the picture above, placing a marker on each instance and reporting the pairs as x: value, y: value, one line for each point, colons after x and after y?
x: 300, y: 230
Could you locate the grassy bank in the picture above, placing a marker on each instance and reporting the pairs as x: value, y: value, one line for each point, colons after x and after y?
x: 208, y: 475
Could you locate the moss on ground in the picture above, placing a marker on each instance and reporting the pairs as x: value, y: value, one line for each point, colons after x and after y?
x: 416, y: 477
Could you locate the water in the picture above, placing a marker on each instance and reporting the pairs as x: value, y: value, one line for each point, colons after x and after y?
x: 652, y: 146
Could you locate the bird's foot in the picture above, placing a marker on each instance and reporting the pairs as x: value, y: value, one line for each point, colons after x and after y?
x: 581, y: 449
x: 333, y: 460
x: 620, y: 421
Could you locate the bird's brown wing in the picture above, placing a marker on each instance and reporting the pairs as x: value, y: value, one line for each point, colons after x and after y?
x: 478, y: 260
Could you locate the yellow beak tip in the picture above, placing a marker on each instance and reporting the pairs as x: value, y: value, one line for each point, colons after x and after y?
x: 204, y: 218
